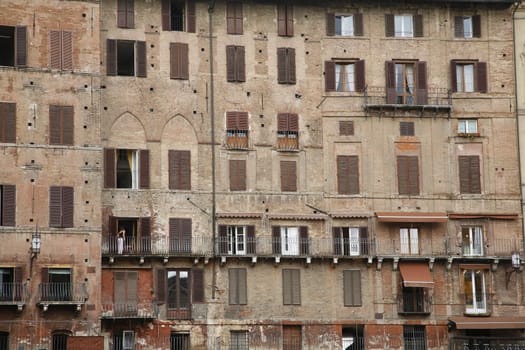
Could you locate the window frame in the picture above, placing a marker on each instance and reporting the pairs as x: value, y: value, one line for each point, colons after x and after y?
x: 180, y: 235
x: 235, y: 64
x: 475, y: 290
x: 285, y: 19
x: 126, y: 14
x: 183, y: 343
x: 346, y: 128
x: 460, y: 30
x: 125, y: 292
x: 139, y: 169
x: 347, y: 170
x: 332, y: 26
x: 179, y: 169
x: 392, y: 22
x: 240, y: 341
x: 18, y: 50
x: 288, y: 169
x: 237, y: 174
x: 472, y: 240
x: 397, y: 92
x: 179, y: 61
x: 407, y: 128
x: 114, y: 56
x: 469, y: 173
x: 234, y: 17
x: 468, y: 126
x: 479, y: 76
x: 287, y: 131
x: 350, y: 240
x: 409, y: 240
x: 187, y: 16
x: 414, y: 337
x: 237, y: 129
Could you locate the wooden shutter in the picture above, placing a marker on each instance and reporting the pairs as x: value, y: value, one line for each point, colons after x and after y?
x: 402, y: 174
x: 67, y: 50
x: 358, y: 24
x: 54, y: 125
x: 304, y: 246
x: 234, y: 17
x: 198, y: 285
x: 288, y: 176
x: 282, y: 122
x: 109, y: 168
x: 55, y: 206
x: 161, y: 286
x: 223, y: 239
x: 230, y: 63
x: 421, y: 88
x: 179, y: 170
x: 481, y: 77
x: 281, y: 65
x: 330, y: 24
x: 408, y: 175
x: 293, y: 122
x: 291, y: 66
x: 285, y: 19
x: 453, y: 77
x: 352, y: 287
x: 413, y: 175
x: 287, y: 286
x: 469, y: 174
x: 276, y: 240
x: 476, y: 26
x: 8, y: 206
x: 348, y: 174
x: 237, y: 286
x: 237, y: 175
x: 291, y: 287
x: 54, y: 49
x: 329, y: 75
x: 67, y: 125
x: 458, y: 27
x: 125, y: 14
x: 250, y: 235
x: 141, y: 59
x: 191, y: 17
x: 186, y: 234
x: 20, y: 46
x: 363, y: 240
x: 346, y: 128
x: 111, y: 57
x: 418, y: 26
x: 67, y: 206
x: 389, y: 25
x: 353, y: 174
x: 336, y: 238
x: 390, y: 70
x: 179, y: 68
x: 145, y: 227
x: 180, y: 235
x: 7, y: 122
x: 18, y: 278
x: 406, y: 129
x: 360, y: 75
x: 45, y: 275
x: 166, y: 15
x: 239, y: 64
x: 125, y: 289
x: 144, y: 168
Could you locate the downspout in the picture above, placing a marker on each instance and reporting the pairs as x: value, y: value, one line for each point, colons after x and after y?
x: 211, y: 6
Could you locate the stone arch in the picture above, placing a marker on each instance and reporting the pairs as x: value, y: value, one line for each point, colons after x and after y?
x: 127, y: 131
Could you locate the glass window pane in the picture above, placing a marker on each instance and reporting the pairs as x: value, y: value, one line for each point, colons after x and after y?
x: 467, y: 27
x: 347, y: 25
x: 469, y: 77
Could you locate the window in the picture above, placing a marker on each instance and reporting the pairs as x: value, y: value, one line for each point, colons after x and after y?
x: 238, y: 340
x: 408, y: 175
x: 179, y: 169
x: 7, y: 205
x: 236, y: 240
x: 235, y: 68
x: 406, y: 129
x: 180, y: 235
x: 352, y: 287
x: 348, y: 174
x: 13, y: 46
x: 179, y: 289
x: 237, y: 175
x: 290, y: 240
x: 414, y: 337
x: 286, y: 65
x: 409, y: 241
x: 468, y: 76
x: 406, y: 83
x: 472, y: 240
x: 469, y: 174
x: 61, y: 202
x: 353, y: 337
x: 285, y: 19
x: 4, y: 341
x: 288, y: 176
x: 179, y: 61
x: 178, y: 15
x: 404, y: 26
x: 291, y: 287
x: 126, y: 168
x: 415, y: 300
x: 125, y: 13
x: 344, y: 76
x: 179, y: 341
x: 11, y: 287
x: 350, y: 241
x: 467, y: 126
x: 137, y: 237
x: 467, y: 26
x: 475, y: 293
x: 7, y: 121
x: 237, y: 287
x: 344, y: 25
x: 125, y: 298
x: 128, y: 340
x: 287, y: 131
x: 60, y: 50
x: 56, y: 284
x: 60, y: 340
x: 61, y: 121
x: 234, y: 17
x: 237, y: 130
x: 126, y: 58
x: 292, y: 338
x: 346, y: 128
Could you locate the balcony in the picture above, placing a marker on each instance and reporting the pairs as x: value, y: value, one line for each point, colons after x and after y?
x: 129, y: 310
x: 14, y: 294
x: 414, y: 301
x: 62, y: 294
x: 237, y: 140
x: 165, y: 247
x: 288, y: 142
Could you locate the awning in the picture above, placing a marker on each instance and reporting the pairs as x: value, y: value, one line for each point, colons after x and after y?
x: 296, y: 217
x: 484, y: 216
x: 239, y: 215
x: 494, y: 322
x: 416, y: 274
x: 349, y: 215
x: 411, y: 217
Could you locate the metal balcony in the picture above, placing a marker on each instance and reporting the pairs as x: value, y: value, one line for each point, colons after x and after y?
x: 128, y: 310
x: 14, y: 294
x: 165, y: 247
x: 62, y: 294
x: 415, y: 303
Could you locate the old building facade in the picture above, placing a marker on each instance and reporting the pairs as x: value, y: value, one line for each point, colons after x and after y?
x: 261, y: 175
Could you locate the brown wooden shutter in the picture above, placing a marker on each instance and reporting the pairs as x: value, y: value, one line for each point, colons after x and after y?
x: 239, y: 64
x: 250, y: 235
x: 242, y: 285
x: 112, y: 226
x: 406, y: 129
x: 403, y: 174
x: 330, y: 24
x: 304, y: 246
x: 481, y: 77
x: 458, y: 27
x: 358, y: 24
x: 288, y: 176
x: 130, y: 14
x: 237, y: 175
x: 111, y: 57
x: 144, y: 168
x: 287, y: 286
x: 54, y: 49
x: 186, y: 234
x: 18, y: 278
x: 453, y: 76
x: 109, y: 168
x: 166, y: 15
x: 68, y: 119
x: 161, y: 286
x: 54, y: 125
x: 191, y: 17
x: 336, y: 238
x: 346, y: 128
x: 121, y: 13
x: 20, y: 46
x: 363, y: 240
x: 276, y: 240
x: 293, y: 122
x: 174, y: 61
x: 296, y: 286
x: 353, y: 174
x: 390, y: 69
x: 421, y: 88
x: 360, y: 84
x: 55, y: 206
x: 234, y: 17
x: 141, y: 59
x: 8, y: 205
x: 352, y: 287
x: 7, y: 122
x: 67, y: 50
x: 145, y: 226
x: 329, y: 75
x: 389, y: 25
x: 68, y: 203
x: 413, y: 175
x: 223, y: 239
x: 230, y: 63
x: 291, y: 66
x: 184, y: 61
x: 45, y: 275
x: 242, y: 120
x: 119, y: 287
x: 282, y: 122
x: 198, y: 285
x: 469, y: 174
x: 418, y: 26
x: 233, y: 286
x: 281, y: 65
x: 179, y: 170
x: 342, y: 174
x: 476, y: 26
x: 285, y: 19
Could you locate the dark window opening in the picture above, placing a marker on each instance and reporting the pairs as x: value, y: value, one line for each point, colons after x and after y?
x: 125, y: 58
x: 6, y: 287
x: 4, y: 341
x: 415, y: 337
x: 126, y: 168
x: 60, y: 341
x: 179, y: 341
x: 177, y: 9
x: 56, y: 286
x: 179, y: 294
x: 353, y: 338
x: 7, y: 46
x: 415, y: 300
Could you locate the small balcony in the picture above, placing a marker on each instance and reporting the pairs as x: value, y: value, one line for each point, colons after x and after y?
x: 414, y: 301
x: 14, y: 294
x: 62, y: 294
x: 129, y: 310
x: 288, y: 141
x: 165, y: 247
x: 237, y: 140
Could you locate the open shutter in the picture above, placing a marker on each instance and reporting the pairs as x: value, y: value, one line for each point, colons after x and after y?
x: 282, y: 122
x: 186, y: 235
x: 67, y: 50
x: 418, y: 26
x: 390, y: 70
x: 330, y: 24
x: 342, y: 175
x: 250, y: 245
x: 458, y: 27
x: 329, y: 75
x: 239, y: 64
x: 54, y: 49
x: 481, y: 76
x: 144, y: 168
x: 293, y: 122
x: 476, y: 26
x: 304, y: 241
x: 402, y: 174
x: 55, y: 206
x: 276, y: 240
x: 223, y: 239
x: 145, y: 227
x: 360, y: 84
x: 21, y: 46
x: 389, y: 25
x: 336, y: 237
x: 281, y: 65
x: 198, y: 285
x: 190, y: 18
x: 453, y: 77
x: 363, y: 240
x: 109, y: 168
x: 358, y: 24
x: 230, y: 63
x: 8, y: 205
x: 166, y: 15
x: 67, y: 125
x: 111, y: 57
x: 161, y: 286
x: 18, y: 288
x: 67, y: 206
x: 141, y: 59
x: 421, y: 89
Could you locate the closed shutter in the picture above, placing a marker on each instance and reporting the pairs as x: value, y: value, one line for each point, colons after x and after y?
x: 276, y: 240
x: 389, y: 25
x: 109, y: 168
x: 179, y: 61
x: 363, y: 239
x: 329, y: 75
x: 330, y: 24
x: 282, y: 122
x: 408, y: 175
x: 413, y: 174
x: 346, y: 128
x: 55, y: 206
x: 352, y: 287
x: 20, y: 46
x: 125, y: 14
x: 481, y: 77
x: 390, y: 70
x: 111, y: 57
x: 353, y: 174
x: 336, y: 238
x: 291, y: 287
x: 180, y: 235
x: 223, y: 239
x: 191, y: 17
x: 240, y: 64
x: 7, y: 122
x: 304, y: 247
x: 161, y: 286
x: 8, y: 206
x: 67, y: 206
x: 281, y: 65
x: 421, y: 89
x: 54, y: 49
x: 230, y: 63
x: 293, y: 122
x: 406, y: 129
x: 458, y: 27
x: 67, y: 125
x: 186, y: 235
x: 453, y: 77
x: 67, y: 50
x: 348, y: 174
x: 418, y: 26
x: 291, y: 66
x: 166, y: 15
x: 285, y: 19
x: 358, y: 24
x: 288, y: 176
x: 237, y: 175
x: 61, y: 121
x: 132, y: 279
x: 234, y: 17
x: 476, y: 26
x: 198, y: 285
x: 360, y: 76
x: 141, y: 59
x: 250, y: 236
x: 144, y: 168
x: 469, y: 174
x: 54, y: 125
x: 179, y: 170
x: 237, y: 287
x: 18, y: 292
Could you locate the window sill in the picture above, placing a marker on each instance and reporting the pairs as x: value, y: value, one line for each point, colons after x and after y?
x: 468, y: 134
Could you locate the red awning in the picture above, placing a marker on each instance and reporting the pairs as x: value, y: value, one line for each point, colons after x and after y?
x: 492, y: 322
x: 484, y: 216
x: 411, y: 217
x: 416, y: 274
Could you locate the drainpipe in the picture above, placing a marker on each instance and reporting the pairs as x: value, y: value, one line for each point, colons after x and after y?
x: 211, y: 6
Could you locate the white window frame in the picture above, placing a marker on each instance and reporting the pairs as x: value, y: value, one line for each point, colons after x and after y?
x: 350, y: 241
x: 344, y: 76
x: 467, y: 126
x: 465, y: 78
x: 289, y: 240
x: 468, y: 30
x: 344, y: 25
x: 476, y: 278
x: 404, y: 26
x: 409, y: 240
x: 472, y: 240
x: 237, y: 240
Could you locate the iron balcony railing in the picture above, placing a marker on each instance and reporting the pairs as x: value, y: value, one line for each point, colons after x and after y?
x: 237, y: 141
x: 377, y: 97
x: 13, y: 293
x: 117, y: 310
x: 419, y: 303
x: 482, y: 343
x: 62, y: 293
x: 195, y: 246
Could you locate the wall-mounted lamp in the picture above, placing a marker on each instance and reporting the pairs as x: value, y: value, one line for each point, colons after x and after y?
x: 516, y: 267
x: 36, y: 241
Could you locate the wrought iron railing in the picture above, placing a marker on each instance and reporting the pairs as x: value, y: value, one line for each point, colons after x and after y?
x: 13, y: 293
x: 414, y: 303
x: 129, y: 310
x: 62, y: 293
x: 378, y: 97
x: 196, y: 246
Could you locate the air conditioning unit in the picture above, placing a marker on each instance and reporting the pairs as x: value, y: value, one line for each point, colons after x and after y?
x: 128, y: 340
